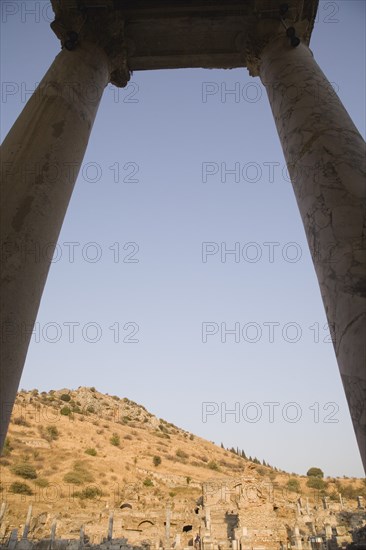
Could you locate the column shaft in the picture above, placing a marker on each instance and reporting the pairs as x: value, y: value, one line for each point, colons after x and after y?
x: 41, y: 158
x: 325, y: 155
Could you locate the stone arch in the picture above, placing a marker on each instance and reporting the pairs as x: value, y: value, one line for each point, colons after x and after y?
x: 146, y: 523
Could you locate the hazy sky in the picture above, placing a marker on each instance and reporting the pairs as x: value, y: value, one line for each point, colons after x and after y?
x: 137, y: 305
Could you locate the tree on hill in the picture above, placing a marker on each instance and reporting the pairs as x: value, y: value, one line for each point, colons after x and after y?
x: 315, y: 472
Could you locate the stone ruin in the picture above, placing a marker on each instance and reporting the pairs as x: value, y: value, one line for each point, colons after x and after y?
x: 245, y: 515
x: 231, y: 514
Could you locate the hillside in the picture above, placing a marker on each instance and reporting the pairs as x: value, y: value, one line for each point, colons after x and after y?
x: 77, y: 454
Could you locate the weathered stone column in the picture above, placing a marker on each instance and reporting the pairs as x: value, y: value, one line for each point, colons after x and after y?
x: 110, y: 526
x: 340, y: 501
x: 27, y: 523
x: 41, y: 157
x: 168, y: 516
x: 325, y: 155
x: 296, y: 537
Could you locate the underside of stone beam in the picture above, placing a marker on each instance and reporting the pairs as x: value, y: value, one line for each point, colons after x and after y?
x: 161, y: 34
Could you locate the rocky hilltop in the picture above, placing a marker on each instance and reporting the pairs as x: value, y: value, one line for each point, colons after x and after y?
x: 78, y: 455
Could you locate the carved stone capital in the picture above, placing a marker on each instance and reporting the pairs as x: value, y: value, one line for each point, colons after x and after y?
x: 270, y: 25
x: 263, y: 33
x: 76, y: 23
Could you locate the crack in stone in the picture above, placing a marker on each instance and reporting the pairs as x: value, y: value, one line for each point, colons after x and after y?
x: 359, y: 316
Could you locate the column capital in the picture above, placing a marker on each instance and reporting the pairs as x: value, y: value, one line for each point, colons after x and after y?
x: 98, y: 23
x: 275, y: 21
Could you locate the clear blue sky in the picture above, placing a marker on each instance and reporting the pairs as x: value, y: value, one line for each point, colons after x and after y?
x: 159, y: 133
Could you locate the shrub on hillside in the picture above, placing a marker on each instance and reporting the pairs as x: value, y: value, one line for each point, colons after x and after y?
x: 20, y: 488
x: 65, y: 411
x: 181, y: 454
x: 65, y: 397
x: 293, y: 485
x: 316, y: 483
x: 91, y: 451
x: 89, y: 492
x: 148, y: 482
x: 115, y: 440
x: 51, y: 433
x: 25, y: 470
x: 74, y: 477
x: 213, y: 465
x: 20, y: 421
x: 79, y: 474
x: 156, y: 460
x: 42, y: 482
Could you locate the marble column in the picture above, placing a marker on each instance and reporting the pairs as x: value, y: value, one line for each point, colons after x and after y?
x: 41, y: 157
x: 296, y: 537
x: 27, y: 523
x: 340, y: 500
x: 328, y: 533
x: 168, y: 512
x: 53, y: 532
x: 208, y: 519
x: 110, y: 526
x: 325, y: 155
